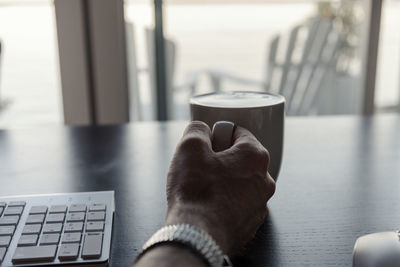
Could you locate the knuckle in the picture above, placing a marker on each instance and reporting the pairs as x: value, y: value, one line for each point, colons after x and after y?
x: 245, y: 147
x: 263, y: 154
x: 198, y: 125
x: 193, y: 143
x: 263, y: 159
x: 271, y: 187
x: 254, y: 150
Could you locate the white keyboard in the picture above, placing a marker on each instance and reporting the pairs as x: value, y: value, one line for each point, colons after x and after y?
x: 56, y: 229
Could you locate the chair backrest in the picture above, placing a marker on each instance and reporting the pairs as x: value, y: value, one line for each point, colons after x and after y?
x: 312, y: 51
x: 170, y: 54
x: 134, y: 72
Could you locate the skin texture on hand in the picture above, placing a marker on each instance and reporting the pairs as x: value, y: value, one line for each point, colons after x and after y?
x: 223, y: 193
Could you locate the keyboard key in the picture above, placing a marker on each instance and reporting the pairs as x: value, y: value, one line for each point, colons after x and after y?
x: 77, y: 208
x: 92, y: 246
x: 73, y: 227
x: 7, y: 230
x: 13, y: 211
x: 5, y: 241
x: 28, y: 240
x: 68, y: 252
x: 52, y: 228
x: 9, y: 220
x: 36, y: 218
x: 58, y: 209
x: 17, y: 204
x: 55, y: 218
x: 95, y: 227
x: 31, y: 229
x: 76, y: 217
x: 49, y: 239
x: 2, y: 254
x: 97, y: 207
x: 34, y: 254
x: 38, y: 210
x: 71, y: 238
x: 96, y: 216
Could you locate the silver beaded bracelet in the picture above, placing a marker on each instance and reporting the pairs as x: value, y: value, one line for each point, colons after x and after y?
x: 193, y: 237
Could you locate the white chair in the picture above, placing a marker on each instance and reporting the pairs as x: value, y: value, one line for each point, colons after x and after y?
x: 310, y: 60
x: 301, y: 80
x: 189, y: 83
x: 170, y: 52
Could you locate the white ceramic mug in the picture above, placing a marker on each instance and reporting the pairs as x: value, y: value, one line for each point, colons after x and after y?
x: 261, y: 113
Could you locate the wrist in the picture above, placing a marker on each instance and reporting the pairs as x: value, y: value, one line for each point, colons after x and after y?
x: 170, y: 254
x: 204, y: 220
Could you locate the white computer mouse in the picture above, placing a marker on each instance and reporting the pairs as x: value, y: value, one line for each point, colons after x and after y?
x: 378, y: 249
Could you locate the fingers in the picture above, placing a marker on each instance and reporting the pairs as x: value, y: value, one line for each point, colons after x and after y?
x: 242, y: 135
x: 249, y: 150
x: 197, y: 136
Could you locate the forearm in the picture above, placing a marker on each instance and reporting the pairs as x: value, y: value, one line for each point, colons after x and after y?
x: 170, y: 255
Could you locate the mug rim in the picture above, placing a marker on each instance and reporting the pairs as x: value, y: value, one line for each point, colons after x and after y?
x: 281, y: 100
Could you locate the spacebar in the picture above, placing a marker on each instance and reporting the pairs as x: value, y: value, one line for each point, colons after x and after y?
x: 34, y: 254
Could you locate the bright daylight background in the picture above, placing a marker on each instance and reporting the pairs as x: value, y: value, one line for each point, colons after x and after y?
x: 231, y: 37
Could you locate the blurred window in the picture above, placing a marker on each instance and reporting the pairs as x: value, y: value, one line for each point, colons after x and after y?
x: 29, y: 79
x: 233, y: 45
x: 388, y: 72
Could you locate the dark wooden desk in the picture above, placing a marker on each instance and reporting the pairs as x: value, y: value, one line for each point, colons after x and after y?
x: 340, y: 179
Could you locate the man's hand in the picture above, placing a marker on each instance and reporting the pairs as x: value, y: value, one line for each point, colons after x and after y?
x: 223, y: 193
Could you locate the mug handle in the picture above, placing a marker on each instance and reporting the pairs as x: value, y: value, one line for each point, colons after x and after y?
x: 222, y: 133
